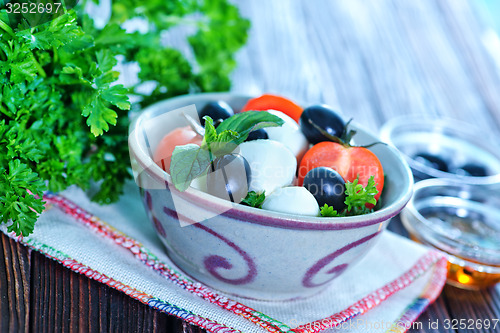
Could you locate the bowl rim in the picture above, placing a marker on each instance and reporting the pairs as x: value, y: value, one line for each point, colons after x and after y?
x: 251, y: 214
x: 451, y: 125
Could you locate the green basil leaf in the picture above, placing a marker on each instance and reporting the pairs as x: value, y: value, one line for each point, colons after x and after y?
x: 188, y: 162
x: 227, y: 136
x: 246, y: 122
x: 210, y: 132
x: 222, y: 148
x: 218, y: 144
x: 225, y: 143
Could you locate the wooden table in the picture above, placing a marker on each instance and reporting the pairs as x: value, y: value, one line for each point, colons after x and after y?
x: 372, y: 59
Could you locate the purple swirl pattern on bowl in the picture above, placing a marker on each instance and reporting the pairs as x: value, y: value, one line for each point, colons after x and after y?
x: 213, y: 262
x: 307, y: 281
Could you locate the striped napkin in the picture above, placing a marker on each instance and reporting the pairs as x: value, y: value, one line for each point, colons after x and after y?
x: 117, y: 246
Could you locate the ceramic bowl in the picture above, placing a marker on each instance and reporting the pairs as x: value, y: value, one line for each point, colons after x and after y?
x: 250, y: 252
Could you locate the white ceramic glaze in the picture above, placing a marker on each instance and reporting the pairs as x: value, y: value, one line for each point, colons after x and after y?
x: 251, y: 252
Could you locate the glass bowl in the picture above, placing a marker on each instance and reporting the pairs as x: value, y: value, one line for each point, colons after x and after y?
x: 462, y: 220
x: 444, y: 148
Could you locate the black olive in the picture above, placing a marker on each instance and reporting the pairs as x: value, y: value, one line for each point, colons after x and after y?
x: 218, y: 111
x: 257, y: 135
x: 327, y: 186
x: 325, y: 118
x: 229, y: 177
x: 472, y: 169
x: 432, y: 161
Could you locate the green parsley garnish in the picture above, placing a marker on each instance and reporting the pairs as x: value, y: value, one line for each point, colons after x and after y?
x: 254, y: 199
x: 358, y: 196
x: 328, y: 211
x: 356, y: 199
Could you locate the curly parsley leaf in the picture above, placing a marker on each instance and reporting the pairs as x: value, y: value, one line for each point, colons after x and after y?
x: 254, y: 199
x: 99, y: 116
x: 358, y: 196
x: 20, y: 202
x: 328, y: 211
x: 54, y: 34
x: 356, y: 199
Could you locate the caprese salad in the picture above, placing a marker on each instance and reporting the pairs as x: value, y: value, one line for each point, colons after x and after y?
x: 274, y: 155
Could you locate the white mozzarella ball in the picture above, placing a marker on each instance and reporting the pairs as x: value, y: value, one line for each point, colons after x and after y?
x: 272, y: 165
x: 292, y: 200
x: 288, y: 134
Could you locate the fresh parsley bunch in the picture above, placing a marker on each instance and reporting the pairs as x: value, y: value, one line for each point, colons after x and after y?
x: 63, y: 118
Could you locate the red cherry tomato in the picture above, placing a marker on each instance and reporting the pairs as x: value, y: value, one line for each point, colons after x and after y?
x: 178, y: 137
x: 274, y: 102
x: 349, y: 162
